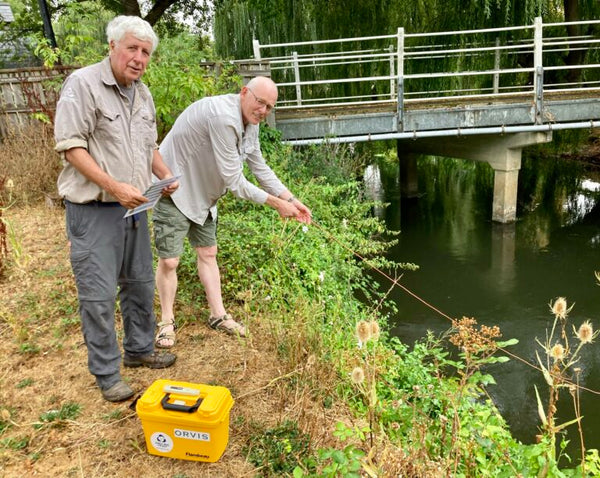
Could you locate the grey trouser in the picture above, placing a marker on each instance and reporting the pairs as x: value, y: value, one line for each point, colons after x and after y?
x: 108, y: 251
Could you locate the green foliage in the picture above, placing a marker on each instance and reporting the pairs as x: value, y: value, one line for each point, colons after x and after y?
x: 332, y: 462
x: 58, y: 417
x: 177, y: 78
x: 116, y: 414
x: 14, y: 444
x: 287, y: 21
x: 26, y: 382
x: 4, y: 423
x: 81, y: 32
x: 277, y: 451
x: 29, y: 348
x: 316, y: 262
x: 341, y: 463
x: 237, y: 22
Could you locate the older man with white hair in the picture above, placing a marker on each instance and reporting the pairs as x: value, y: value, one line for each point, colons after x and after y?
x: 208, y: 145
x: 105, y: 131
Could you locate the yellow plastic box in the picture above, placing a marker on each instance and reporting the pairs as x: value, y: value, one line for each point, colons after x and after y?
x: 183, y: 420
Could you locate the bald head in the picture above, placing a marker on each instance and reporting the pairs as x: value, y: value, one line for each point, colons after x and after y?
x: 263, y: 85
x: 257, y: 99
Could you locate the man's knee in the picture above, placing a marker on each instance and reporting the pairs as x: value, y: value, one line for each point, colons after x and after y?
x: 207, y: 254
x: 168, y: 264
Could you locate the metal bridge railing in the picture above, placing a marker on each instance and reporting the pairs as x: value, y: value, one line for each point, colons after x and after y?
x: 488, y: 64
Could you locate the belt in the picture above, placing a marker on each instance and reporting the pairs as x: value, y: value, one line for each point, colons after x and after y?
x: 95, y: 203
x: 135, y: 217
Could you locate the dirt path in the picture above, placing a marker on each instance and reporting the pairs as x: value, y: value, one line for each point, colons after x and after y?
x: 44, y: 367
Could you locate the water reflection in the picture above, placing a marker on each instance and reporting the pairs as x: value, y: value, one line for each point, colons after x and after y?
x: 374, y: 188
x: 503, y: 275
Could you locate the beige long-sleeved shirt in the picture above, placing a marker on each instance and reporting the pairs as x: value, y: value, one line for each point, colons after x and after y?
x: 208, y: 145
x: 93, y: 114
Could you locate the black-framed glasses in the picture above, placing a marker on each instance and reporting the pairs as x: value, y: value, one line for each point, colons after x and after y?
x: 269, y: 107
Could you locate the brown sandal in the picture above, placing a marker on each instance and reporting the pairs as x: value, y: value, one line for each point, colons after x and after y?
x: 227, y: 324
x: 164, y: 335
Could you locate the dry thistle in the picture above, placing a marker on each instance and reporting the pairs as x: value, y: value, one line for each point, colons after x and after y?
x: 586, y: 334
x: 560, y: 309
x: 374, y: 325
x: 557, y: 352
x: 358, y: 375
x: 363, y: 332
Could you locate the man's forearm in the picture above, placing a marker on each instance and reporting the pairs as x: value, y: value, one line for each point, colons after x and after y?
x: 159, y: 167
x: 83, y: 162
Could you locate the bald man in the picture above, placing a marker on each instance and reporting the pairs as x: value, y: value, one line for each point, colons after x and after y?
x: 208, y: 145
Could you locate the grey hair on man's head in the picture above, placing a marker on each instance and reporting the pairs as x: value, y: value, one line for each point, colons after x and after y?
x: 123, y: 24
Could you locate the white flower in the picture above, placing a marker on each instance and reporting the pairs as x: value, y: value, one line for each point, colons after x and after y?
x: 305, y: 229
x: 345, y: 223
x: 322, y: 276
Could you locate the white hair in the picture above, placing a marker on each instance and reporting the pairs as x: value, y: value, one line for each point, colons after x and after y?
x: 119, y: 26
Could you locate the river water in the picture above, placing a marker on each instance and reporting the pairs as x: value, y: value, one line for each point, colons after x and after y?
x: 503, y: 275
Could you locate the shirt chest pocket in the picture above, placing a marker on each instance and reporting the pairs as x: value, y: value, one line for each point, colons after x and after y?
x: 109, y: 125
x: 246, y: 148
x: 144, y: 133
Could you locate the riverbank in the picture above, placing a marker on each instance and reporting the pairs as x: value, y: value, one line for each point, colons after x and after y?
x: 589, y: 152
x: 44, y: 369
x: 320, y: 388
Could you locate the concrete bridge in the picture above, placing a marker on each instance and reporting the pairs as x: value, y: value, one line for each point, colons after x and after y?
x: 510, y: 88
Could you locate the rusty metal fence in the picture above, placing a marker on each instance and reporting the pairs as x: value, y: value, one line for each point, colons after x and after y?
x: 26, y: 91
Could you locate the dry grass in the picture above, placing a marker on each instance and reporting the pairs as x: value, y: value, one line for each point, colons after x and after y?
x: 28, y: 160
x: 42, y: 346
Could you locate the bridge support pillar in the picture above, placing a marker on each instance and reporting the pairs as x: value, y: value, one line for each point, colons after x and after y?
x: 409, y: 186
x: 501, y: 152
x: 504, y: 207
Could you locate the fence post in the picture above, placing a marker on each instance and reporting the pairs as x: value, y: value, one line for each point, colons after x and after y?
x: 400, y: 108
x: 256, y: 48
x: 297, y: 78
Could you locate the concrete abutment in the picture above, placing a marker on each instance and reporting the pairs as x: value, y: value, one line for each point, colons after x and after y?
x: 501, y: 151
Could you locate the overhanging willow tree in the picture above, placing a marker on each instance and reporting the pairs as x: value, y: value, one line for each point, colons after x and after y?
x: 237, y: 22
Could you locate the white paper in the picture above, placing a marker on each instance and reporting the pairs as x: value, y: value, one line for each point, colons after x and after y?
x: 153, y: 194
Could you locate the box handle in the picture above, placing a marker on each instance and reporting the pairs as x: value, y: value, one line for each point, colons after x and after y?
x: 181, y: 390
x: 179, y: 408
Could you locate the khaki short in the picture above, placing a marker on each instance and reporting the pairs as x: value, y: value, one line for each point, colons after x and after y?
x: 171, y: 228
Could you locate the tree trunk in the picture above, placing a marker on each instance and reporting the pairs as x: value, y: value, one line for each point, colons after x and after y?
x: 131, y: 7
x: 157, y: 10
x: 575, y: 56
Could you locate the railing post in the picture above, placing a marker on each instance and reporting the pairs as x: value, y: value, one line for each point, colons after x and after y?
x: 392, y: 73
x: 497, y: 67
x: 400, y: 69
x: 256, y: 48
x: 539, y: 94
x: 538, y: 73
x: 297, y: 78
x: 537, y: 49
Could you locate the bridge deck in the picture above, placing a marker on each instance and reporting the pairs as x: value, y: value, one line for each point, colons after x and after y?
x: 426, y: 114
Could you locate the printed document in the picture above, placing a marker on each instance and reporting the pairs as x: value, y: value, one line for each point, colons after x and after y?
x: 153, y: 194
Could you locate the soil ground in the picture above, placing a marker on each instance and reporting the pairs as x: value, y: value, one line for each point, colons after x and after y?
x: 44, y: 366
